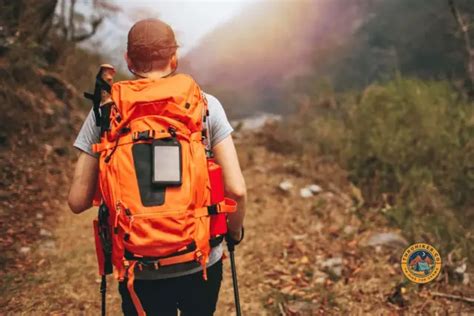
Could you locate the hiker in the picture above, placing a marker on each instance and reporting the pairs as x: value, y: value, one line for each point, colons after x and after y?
x: 151, y: 56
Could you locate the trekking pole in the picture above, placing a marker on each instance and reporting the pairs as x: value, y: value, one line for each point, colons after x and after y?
x: 231, y: 247
x: 103, y: 290
x: 234, y: 281
x: 104, y: 251
x: 101, y: 95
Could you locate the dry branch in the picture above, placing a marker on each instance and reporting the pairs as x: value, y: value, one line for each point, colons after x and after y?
x: 95, y: 25
x: 282, y: 310
x: 454, y: 297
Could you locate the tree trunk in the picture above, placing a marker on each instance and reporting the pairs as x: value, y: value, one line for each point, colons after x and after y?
x: 9, y: 17
x: 71, y: 26
x: 471, y: 68
x: 464, y: 27
x: 36, y: 19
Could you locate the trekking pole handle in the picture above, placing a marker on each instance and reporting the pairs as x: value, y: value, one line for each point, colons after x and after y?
x: 106, y: 73
x: 231, y: 242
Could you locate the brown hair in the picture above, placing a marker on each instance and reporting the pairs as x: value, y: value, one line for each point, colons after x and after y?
x: 151, y: 44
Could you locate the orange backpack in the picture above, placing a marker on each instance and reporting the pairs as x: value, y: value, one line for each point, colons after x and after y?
x: 155, y: 177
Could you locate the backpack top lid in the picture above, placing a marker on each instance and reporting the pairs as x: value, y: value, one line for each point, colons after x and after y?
x: 177, y: 97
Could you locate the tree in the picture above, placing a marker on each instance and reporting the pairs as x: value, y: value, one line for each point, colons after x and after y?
x: 26, y: 20
x: 75, y: 27
x: 465, y: 25
x: 31, y: 21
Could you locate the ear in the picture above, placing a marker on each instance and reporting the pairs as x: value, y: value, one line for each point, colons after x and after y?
x: 174, y: 61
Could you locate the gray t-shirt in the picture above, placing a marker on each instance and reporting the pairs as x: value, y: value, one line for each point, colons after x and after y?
x: 219, y: 128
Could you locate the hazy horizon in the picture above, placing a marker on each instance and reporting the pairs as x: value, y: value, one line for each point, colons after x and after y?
x: 190, y: 19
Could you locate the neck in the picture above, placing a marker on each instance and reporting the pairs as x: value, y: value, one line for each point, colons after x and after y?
x: 156, y: 74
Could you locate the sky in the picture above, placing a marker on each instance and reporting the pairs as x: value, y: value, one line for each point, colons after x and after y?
x: 190, y: 19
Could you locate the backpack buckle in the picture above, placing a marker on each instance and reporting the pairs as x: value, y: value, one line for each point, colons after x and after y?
x: 213, y: 209
x: 199, y: 256
x: 143, y: 135
x: 172, y: 131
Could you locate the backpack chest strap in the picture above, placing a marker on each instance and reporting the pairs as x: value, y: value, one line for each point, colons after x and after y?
x: 143, y: 136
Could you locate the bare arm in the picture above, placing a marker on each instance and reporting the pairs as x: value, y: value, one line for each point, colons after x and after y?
x: 84, y: 183
x: 234, y: 183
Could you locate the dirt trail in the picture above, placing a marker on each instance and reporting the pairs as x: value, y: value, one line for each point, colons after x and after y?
x: 301, y: 256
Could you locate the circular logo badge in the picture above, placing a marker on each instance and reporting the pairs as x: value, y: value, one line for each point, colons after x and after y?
x: 421, y: 263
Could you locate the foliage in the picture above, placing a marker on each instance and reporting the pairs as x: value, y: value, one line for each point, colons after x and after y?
x: 408, y: 144
x: 415, y: 139
x: 412, y: 37
x: 40, y: 80
x: 413, y: 129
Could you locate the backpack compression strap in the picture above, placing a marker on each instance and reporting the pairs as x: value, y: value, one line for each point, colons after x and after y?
x: 133, y: 295
x: 226, y: 206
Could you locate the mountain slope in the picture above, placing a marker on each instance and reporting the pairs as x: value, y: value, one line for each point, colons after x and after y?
x: 251, y: 62
x: 248, y: 60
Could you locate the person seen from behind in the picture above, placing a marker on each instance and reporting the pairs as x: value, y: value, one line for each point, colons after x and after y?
x: 152, y: 54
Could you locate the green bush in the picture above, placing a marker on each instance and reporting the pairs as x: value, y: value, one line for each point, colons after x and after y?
x: 410, y: 133
x: 415, y: 140
x: 408, y: 145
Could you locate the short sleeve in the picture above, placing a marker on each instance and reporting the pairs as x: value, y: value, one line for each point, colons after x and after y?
x: 219, y: 126
x: 88, y: 135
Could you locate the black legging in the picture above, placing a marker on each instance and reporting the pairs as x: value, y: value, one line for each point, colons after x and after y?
x: 191, y: 294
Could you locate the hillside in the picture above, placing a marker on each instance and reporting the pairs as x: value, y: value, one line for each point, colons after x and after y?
x: 336, y: 192
x: 277, y: 48
x: 319, y: 255
x: 249, y: 60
